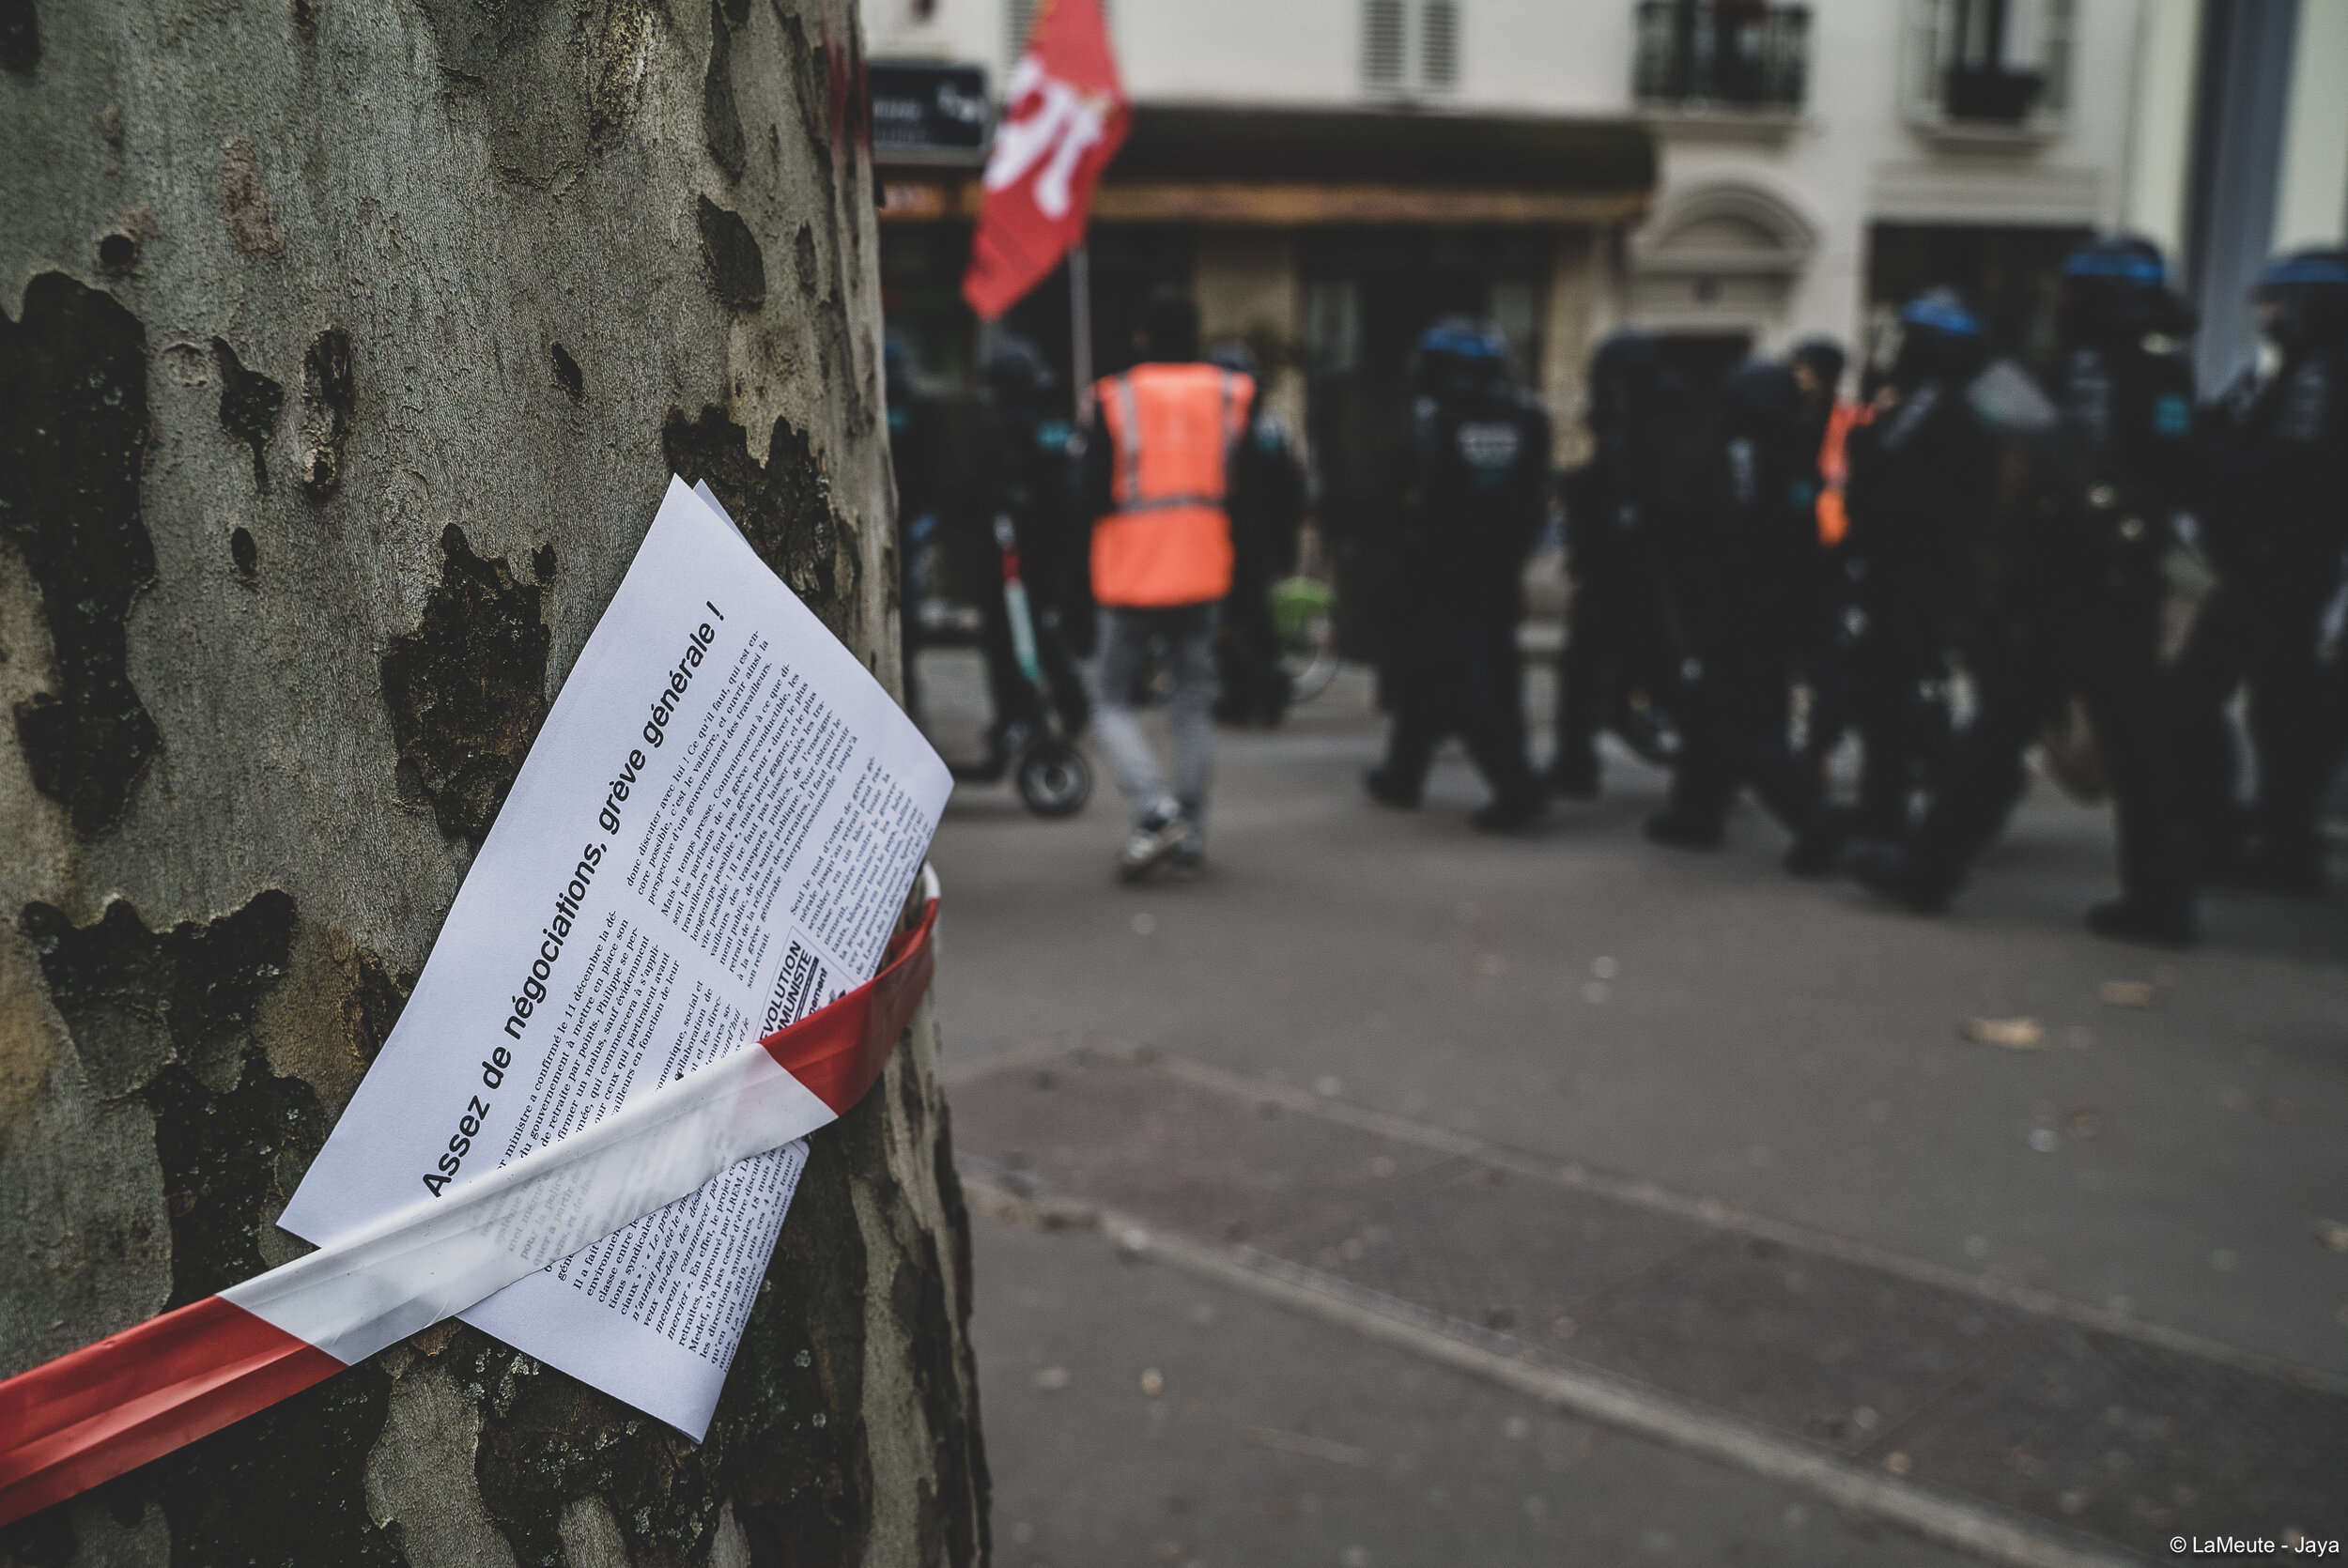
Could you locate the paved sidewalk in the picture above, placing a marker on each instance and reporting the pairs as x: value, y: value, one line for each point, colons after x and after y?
x: 1275, y: 1440
x: 2020, y: 1426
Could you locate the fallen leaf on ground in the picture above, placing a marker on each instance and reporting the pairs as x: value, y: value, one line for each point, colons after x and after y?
x: 2083, y: 1121
x: 2333, y: 1235
x: 1153, y: 1382
x: 2128, y: 993
x: 2012, y: 1033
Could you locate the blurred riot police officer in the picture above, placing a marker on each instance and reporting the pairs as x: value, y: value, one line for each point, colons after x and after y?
x: 1475, y: 496
x: 1027, y: 476
x: 1643, y: 480
x: 1266, y: 509
x: 2274, y: 514
x: 1746, y: 581
x: 1917, y: 491
x: 2068, y: 583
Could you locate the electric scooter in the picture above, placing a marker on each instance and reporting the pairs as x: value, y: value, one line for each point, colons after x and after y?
x: 1052, y: 775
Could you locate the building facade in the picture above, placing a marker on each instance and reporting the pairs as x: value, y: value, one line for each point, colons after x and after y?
x: 1327, y: 175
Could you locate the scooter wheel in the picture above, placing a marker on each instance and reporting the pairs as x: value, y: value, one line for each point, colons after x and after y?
x: 1054, y: 779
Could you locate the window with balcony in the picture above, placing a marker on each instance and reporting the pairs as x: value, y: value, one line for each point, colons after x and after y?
x: 1410, y: 45
x: 1741, y: 56
x: 1994, y: 69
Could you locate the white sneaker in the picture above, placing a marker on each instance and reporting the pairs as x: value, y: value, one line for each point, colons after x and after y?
x: 1149, y: 845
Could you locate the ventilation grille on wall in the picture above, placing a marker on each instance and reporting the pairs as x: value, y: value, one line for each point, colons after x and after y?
x: 1410, y: 45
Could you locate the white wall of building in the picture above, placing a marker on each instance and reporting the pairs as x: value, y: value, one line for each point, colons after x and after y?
x: 1853, y: 157
x: 2160, y: 149
x: 2311, y: 205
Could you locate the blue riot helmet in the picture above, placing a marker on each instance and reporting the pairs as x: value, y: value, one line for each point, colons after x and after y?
x: 2115, y: 288
x: 1939, y: 337
x: 2303, y: 298
x: 1459, y: 350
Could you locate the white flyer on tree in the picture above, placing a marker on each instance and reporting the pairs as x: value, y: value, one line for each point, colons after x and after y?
x: 710, y: 838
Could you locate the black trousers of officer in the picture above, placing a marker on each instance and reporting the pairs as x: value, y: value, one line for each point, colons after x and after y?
x: 1620, y: 637
x: 2109, y: 655
x: 1456, y: 671
x: 1733, y: 718
x: 1253, y: 686
x: 1901, y: 647
x: 2263, y: 631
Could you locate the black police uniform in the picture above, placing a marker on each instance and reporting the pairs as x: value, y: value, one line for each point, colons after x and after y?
x: 1917, y: 490
x: 1746, y: 584
x: 2068, y: 586
x: 1645, y: 480
x: 1266, y: 509
x: 1474, y: 498
x: 2274, y: 511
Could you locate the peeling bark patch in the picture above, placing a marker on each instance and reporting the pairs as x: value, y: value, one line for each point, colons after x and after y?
x: 785, y: 506
x: 284, y: 1488
x: 228, y: 1160
x: 803, y: 259
x: 623, y: 55
x: 468, y: 687
x: 327, y: 399
x: 567, y: 374
x: 72, y: 448
x: 45, y: 1540
x: 374, y: 993
x: 542, y: 564
x: 516, y: 67
x: 737, y: 268
x: 135, y: 1000
x: 721, y: 118
x: 249, y: 404
x: 917, y: 1300
x: 244, y: 552
x: 20, y: 37
x: 548, y: 1440
x: 243, y: 202
x: 789, y: 1428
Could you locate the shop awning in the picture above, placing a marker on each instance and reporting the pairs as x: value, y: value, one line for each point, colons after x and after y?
x: 1238, y: 165
x: 1197, y: 163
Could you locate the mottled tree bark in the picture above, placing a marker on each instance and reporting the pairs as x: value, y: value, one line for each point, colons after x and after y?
x: 346, y: 346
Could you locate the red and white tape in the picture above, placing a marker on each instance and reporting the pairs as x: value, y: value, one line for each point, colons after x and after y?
x: 88, y: 1416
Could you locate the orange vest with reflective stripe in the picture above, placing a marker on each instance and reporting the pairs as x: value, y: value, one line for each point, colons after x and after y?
x: 1172, y: 431
x: 1835, y: 469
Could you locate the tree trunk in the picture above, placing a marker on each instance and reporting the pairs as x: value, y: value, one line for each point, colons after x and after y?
x: 346, y: 346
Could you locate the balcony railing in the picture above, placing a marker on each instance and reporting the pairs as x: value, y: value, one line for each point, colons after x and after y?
x: 1735, y: 54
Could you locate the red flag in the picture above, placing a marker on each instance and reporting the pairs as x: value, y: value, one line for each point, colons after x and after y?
x: 1064, y: 116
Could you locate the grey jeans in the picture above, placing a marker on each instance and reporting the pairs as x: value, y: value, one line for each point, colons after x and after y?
x: 1186, y: 632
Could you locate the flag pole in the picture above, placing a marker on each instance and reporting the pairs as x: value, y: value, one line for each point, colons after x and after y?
x: 1080, y: 328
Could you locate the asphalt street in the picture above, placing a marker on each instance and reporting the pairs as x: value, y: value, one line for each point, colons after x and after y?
x: 2167, y: 1153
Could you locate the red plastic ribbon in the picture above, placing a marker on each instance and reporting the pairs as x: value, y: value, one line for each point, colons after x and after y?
x: 111, y: 1406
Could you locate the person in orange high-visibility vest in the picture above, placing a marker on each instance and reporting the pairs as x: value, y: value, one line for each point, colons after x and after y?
x: 1156, y: 481
x: 1834, y: 469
